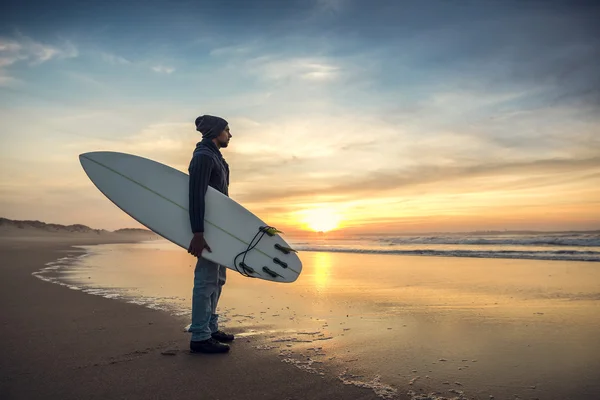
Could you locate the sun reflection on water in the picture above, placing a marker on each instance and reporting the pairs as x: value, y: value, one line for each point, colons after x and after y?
x: 322, y: 270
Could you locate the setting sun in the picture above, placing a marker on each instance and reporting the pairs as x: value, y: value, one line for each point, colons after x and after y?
x: 320, y: 220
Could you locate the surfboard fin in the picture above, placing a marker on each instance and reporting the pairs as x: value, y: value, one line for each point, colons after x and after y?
x: 278, y: 261
x: 247, y: 269
x: 272, y: 273
x: 269, y: 230
x: 284, y: 249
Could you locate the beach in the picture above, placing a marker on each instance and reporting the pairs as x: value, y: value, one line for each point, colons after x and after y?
x: 87, y: 319
x: 58, y: 343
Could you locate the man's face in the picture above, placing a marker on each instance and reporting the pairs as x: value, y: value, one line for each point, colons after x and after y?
x: 224, y: 137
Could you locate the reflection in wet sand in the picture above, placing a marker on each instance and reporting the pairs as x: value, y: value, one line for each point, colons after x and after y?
x: 396, y: 324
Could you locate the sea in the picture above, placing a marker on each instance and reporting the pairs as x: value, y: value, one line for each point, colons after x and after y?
x: 572, y: 246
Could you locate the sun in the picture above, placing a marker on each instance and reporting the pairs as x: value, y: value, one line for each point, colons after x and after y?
x: 321, y: 219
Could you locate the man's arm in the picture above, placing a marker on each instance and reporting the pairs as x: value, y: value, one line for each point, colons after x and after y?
x: 200, y: 169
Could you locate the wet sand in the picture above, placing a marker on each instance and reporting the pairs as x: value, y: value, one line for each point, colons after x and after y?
x: 418, y: 328
x: 65, y: 344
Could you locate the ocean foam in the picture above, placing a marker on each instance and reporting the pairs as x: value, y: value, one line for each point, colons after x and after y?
x: 265, y: 347
x: 381, y: 390
x: 55, y: 267
x: 305, y: 365
x: 436, y: 395
x: 568, y: 239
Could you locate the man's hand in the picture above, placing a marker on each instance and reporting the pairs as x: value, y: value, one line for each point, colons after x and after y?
x: 198, y: 244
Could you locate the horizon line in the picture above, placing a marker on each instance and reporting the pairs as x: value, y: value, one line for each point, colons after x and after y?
x: 338, y: 232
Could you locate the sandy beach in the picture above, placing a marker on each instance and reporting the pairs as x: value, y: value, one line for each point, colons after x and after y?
x: 417, y: 328
x: 64, y: 344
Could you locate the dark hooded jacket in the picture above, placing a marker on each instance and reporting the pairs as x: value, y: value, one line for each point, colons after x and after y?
x: 207, y: 168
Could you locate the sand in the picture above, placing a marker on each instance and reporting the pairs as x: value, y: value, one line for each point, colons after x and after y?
x: 64, y: 344
x: 418, y: 328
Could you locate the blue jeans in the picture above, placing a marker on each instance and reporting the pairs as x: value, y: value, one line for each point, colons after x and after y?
x: 209, y: 279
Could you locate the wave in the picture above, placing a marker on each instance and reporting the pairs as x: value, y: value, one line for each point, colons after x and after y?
x: 565, y: 255
x: 514, y: 240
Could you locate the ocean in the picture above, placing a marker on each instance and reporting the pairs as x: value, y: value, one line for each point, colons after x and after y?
x: 573, y: 246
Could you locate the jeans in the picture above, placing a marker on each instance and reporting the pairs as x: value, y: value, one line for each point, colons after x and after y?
x: 209, y: 279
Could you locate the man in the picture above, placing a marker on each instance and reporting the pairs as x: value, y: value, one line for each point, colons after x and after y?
x: 207, y: 167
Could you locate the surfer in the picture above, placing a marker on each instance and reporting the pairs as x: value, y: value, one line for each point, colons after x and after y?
x: 207, y: 167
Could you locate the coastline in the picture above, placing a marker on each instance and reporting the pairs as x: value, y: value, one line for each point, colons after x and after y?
x: 65, y: 344
x: 455, y: 342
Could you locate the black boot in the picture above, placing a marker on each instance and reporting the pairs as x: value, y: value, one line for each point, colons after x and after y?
x: 208, y: 346
x: 222, y: 336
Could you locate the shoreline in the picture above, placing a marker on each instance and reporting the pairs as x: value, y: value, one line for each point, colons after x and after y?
x: 117, y: 349
x: 426, y: 365
x: 309, y: 359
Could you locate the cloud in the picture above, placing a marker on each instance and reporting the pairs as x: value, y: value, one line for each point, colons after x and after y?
x: 552, y: 54
x: 163, y: 69
x: 26, y: 50
x: 140, y: 64
x: 433, y: 179
x: 113, y: 59
x: 228, y: 51
x: 338, y: 154
x: 294, y: 68
x: 171, y: 143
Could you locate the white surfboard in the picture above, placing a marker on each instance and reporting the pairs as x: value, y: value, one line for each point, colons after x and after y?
x: 156, y: 195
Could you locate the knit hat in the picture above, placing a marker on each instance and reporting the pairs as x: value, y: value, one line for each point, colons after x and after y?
x: 210, y: 126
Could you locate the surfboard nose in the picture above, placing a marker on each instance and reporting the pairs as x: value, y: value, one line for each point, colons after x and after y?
x: 89, y: 155
x: 86, y: 158
x: 96, y: 157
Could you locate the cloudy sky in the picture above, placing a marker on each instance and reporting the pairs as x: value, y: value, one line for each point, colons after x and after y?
x: 388, y: 115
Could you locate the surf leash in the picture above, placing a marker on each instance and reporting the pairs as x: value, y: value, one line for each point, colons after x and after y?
x: 247, y: 270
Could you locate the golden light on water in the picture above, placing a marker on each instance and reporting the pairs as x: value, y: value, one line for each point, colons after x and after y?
x: 322, y: 270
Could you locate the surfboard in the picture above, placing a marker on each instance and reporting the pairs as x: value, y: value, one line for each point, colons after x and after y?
x: 156, y: 195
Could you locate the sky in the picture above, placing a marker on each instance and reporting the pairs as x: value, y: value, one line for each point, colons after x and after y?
x: 361, y: 117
